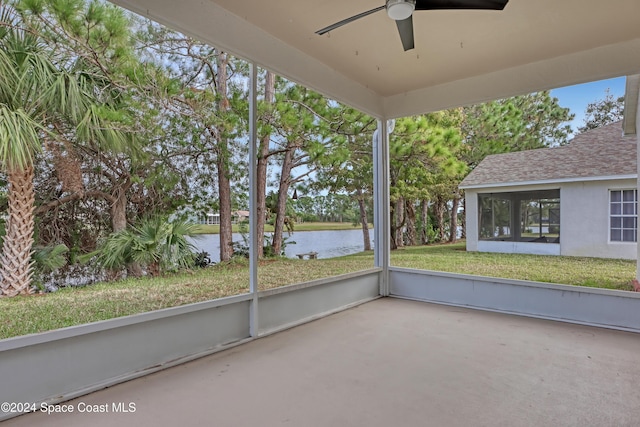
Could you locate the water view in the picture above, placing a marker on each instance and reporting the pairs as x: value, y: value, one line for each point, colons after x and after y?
x: 328, y: 243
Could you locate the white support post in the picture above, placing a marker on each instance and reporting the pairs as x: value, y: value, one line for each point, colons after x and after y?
x: 381, y: 203
x: 253, y: 208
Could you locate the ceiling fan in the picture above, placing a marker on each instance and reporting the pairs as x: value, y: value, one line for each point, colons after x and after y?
x: 402, y: 10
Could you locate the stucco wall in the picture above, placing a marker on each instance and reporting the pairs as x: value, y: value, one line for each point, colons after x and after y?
x: 584, y: 221
x: 471, y: 219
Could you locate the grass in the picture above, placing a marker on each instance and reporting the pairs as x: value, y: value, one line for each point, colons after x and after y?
x: 74, y: 306
x: 304, y: 226
x: 579, y: 271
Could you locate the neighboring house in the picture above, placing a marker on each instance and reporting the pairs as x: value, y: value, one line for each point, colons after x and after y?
x: 579, y: 199
x: 240, y: 216
x: 211, y: 218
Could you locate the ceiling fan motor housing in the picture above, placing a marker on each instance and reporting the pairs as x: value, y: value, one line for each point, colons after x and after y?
x: 400, y: 9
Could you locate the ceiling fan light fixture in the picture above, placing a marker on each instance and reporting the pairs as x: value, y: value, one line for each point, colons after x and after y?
x: 400, y: 9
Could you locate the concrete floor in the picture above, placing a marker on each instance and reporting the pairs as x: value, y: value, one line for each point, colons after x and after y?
x: 391, y: 362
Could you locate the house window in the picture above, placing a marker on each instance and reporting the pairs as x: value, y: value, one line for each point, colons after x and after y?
x: 623, y: 208
x: 527, y: 216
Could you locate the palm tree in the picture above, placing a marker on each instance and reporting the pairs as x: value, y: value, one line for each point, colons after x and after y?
x: 33, y: 94
x: 157, y: 244
x: 26, y: 84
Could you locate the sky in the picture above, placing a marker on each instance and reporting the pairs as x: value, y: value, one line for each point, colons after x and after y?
x: 577, y: 97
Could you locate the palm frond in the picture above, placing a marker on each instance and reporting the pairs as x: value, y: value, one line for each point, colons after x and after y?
x: 50, y: 258
x: 117, y: 251
x: 155, y: 243
x: 19, y: 138
x: 94, y: 127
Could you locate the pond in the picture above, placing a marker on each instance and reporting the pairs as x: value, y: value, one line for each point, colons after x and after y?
x: 328, y: 244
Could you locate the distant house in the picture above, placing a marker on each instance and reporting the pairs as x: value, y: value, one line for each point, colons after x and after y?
x: 240, y: 216
x: 212, y: 218
x: 579, y: 199
x: 209, y: 218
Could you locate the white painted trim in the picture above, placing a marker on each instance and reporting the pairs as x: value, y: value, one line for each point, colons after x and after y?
x: 489, y: 186
x: 622, y: 216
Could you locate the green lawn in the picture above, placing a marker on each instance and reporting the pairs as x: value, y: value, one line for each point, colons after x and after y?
x: 67, y: 307
x: 580, y: 271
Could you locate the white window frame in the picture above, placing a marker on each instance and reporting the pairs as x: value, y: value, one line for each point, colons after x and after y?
x: 622, y: 215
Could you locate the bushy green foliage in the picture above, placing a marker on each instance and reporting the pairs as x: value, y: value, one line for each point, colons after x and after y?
x: 201, y: 259
x: 155, y: 244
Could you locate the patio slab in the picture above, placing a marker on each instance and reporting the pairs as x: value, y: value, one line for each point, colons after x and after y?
x: 389, y: 362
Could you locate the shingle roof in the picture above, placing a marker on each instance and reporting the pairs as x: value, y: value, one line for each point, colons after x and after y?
x: 601, y: 152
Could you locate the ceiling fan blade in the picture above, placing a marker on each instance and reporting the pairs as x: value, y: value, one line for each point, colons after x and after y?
x: 405, y: 28
x: 346, y: 21
x: 460, y: 4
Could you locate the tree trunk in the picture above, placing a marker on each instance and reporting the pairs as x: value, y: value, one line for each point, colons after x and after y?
x: 400, y: 221
x: 424, y: 222
x: 392, y: 227
x: 16, y: 268
x: 283, y: 191
x: 364, y: 220
x: 119, y: 211
x: 453, y: 231
x: 119, y: 222
x: 392, y: 242
x: 222, y: 164
x: 224, y: 194
x: 410, y: 222
x: 439, y: 207
x: 261, y: 174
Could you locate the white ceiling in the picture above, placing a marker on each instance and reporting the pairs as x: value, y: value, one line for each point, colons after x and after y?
x: 461, y: 57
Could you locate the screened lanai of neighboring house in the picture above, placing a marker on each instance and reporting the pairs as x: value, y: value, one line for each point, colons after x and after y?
x: 389, y: 360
